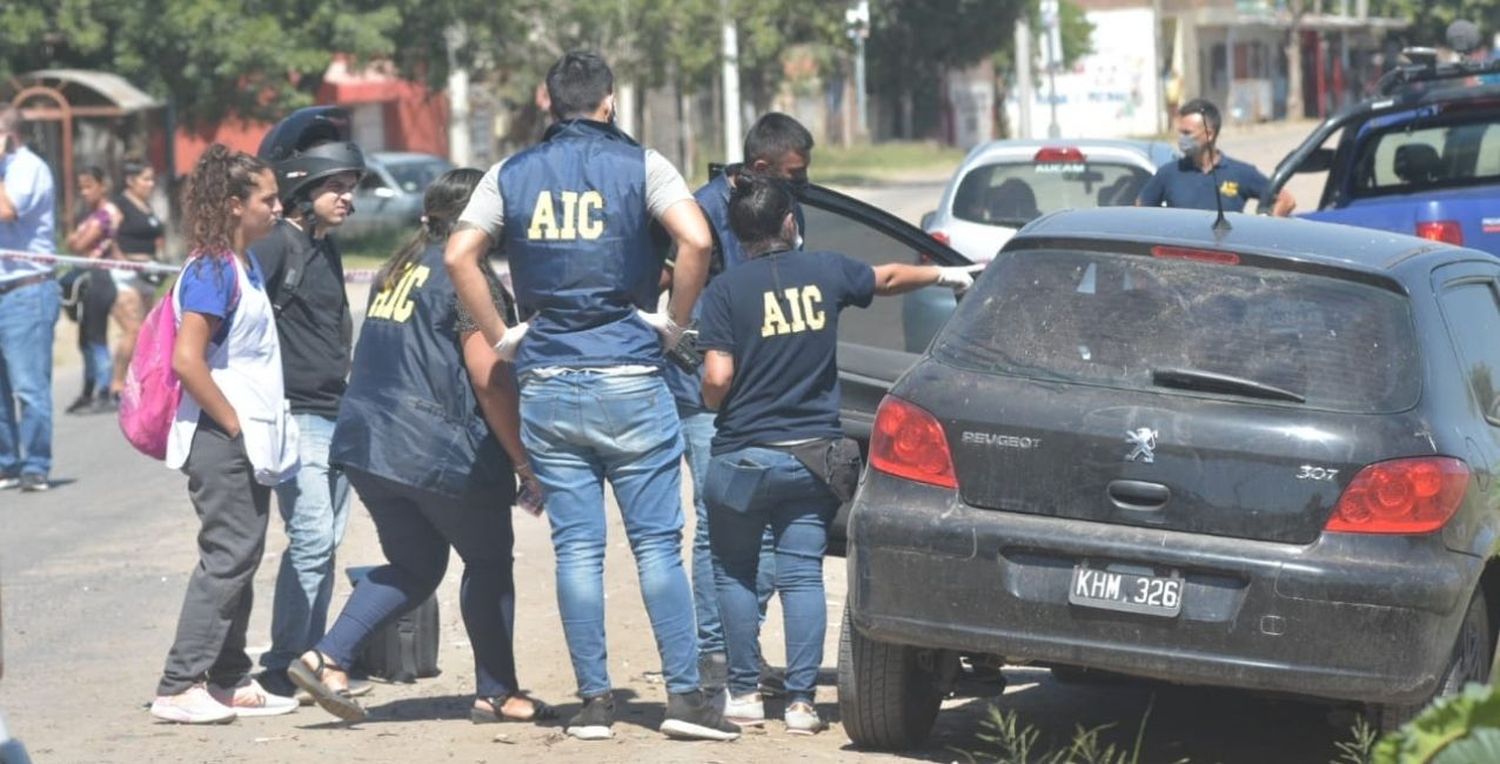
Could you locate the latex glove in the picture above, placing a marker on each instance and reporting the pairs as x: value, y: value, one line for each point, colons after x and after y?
x: 958, y: 277
x: 531, y: 497
x: 511, y: 341
x: 670, y: 332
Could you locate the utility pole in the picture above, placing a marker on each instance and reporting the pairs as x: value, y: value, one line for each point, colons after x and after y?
x: 858, y: 20
x: 460, y: 150
x: 1050, y: 25
x: 1158, y: 69
x: 1025, y: 88
x: 733, y: 134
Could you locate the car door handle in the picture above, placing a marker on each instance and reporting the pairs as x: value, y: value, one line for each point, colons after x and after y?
x: 1138, y: 495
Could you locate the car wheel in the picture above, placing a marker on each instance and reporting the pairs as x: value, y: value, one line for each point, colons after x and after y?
x: 1469, y: 662
x: 888, y: 694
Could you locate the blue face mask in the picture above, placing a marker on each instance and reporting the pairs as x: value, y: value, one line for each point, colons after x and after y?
x: 1187, y: 145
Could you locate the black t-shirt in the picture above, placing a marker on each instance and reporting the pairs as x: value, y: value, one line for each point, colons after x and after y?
x: 138, y: 230
x: 778, y: 315
x: 315, y: 327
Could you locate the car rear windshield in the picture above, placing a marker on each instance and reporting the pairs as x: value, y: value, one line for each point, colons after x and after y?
x: 415, y: 176
x: 1402, y: 158
x: 1123, y: 320
x: 1015, y: 193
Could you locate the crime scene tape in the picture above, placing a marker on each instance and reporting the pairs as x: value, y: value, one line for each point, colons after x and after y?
x: 357, y: 276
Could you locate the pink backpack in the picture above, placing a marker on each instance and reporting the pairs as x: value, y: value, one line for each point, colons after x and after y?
x: 148, y: 404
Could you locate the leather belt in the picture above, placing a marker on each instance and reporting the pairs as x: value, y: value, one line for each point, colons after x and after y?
x: 24, y: 281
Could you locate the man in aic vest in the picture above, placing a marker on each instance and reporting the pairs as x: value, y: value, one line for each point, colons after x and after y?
x: 573, y: 215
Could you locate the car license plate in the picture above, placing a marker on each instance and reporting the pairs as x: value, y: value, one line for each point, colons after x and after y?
x: 1126, y: 592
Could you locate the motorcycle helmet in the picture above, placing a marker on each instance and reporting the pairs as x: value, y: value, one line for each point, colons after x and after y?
x: 308, y: 146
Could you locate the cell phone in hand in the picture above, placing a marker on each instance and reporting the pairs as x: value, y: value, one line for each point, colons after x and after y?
x: 686, y: 354
x: 530, y: 498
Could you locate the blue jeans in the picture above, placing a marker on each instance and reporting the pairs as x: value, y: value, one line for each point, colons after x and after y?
x: 315, y: 509
x: 98, y: 369
x: 416, y: 528
x: 28, y: 316
x: 747, y: 491
x: 584, y: 428
x: 697, y: 436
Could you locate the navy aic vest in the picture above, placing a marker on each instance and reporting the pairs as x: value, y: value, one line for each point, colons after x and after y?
x: 410, y: 414
x: 577, y: 234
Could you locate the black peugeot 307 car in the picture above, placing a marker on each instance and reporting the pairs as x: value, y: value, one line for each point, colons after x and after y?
x: 1261, y: 458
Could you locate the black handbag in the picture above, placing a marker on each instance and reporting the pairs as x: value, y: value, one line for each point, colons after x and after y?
x: 74, y: 283
x: 835, y: 461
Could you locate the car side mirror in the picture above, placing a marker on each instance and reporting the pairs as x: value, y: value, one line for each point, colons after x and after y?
x: 1320, y: 160
x: 384, y: 192
x: 927, y: 218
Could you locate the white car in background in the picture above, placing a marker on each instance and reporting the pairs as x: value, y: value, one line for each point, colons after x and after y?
x: 1003, y: 185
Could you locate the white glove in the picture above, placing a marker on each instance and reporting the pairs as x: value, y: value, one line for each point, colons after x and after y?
x: 958, y: 277
x: 670, y: 332
x: 511, y: 341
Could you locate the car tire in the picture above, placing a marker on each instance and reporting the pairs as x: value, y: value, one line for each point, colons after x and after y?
x: 888, y: 694
x: 1469, y: 661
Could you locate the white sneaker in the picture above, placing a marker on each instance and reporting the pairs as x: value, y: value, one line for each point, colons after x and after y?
x: 191, y: 706
x: 248, y: 698
x: 802, y: 719
x: 746, y: 710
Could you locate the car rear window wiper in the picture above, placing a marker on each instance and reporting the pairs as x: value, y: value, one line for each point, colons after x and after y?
x: 1208, y: 381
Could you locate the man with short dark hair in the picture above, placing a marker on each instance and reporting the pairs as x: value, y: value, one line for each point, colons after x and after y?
x: 29, y: 303
x: 1204, y: 172
x: 573, y: 215
x: 317, y: 170
x: 777, y: 146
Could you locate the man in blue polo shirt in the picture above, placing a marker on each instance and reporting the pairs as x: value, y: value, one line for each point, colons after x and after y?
x: 1204, y: 172
x: 29, y: 302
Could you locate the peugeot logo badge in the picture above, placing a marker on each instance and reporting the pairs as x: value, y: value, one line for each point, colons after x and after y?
x: 1142, y: 442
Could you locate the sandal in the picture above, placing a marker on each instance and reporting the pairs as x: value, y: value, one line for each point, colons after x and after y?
x: 539, y: 711
x: 336, y: 702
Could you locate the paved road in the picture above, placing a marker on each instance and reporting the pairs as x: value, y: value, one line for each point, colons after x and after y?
x: 92, y: 575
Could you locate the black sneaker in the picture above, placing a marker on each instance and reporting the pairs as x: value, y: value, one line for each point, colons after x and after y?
x: 694, y: 716
x: 713, y: 671
x: 594, y: 720
x: 32, y: 482
x: 80, y: 405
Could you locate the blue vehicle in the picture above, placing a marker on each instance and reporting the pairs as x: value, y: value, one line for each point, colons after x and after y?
x: 1422, y: 159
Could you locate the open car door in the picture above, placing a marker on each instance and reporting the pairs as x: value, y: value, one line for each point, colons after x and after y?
x: 877, y: 344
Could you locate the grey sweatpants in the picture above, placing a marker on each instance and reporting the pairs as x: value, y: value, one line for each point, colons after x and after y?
x: 233, y: 510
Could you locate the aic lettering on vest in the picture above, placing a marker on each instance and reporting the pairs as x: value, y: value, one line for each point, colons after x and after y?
x: 580, y: 216
x: 803, y: 303
x: 394, y: 303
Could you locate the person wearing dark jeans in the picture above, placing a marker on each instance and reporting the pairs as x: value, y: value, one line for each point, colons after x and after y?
x: 433, y: 476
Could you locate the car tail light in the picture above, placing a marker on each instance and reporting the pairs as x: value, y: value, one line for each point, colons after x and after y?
x: 1068, y: 154
x: 1201, y: 255
x: 1402, y: 496
x: 1441, y: 230
x: 909, y: 443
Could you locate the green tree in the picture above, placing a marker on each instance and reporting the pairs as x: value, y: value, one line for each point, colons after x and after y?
x: 914, y: 42
x: 1430, y: 18
x: 211, y: 58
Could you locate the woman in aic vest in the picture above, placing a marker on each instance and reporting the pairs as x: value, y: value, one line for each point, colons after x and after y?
x: 428, y: 434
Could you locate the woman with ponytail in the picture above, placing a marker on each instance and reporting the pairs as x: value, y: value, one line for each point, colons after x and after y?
x: 429, y: 436
x: 232, y: 437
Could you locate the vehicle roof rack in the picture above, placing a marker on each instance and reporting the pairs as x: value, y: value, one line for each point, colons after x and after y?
x: 1398, y: 80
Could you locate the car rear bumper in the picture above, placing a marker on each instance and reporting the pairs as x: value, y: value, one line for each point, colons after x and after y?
x: 1364, y: 618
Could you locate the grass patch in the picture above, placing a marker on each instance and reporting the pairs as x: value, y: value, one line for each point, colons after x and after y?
x: 373, y: 250
x: 876, y: 162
